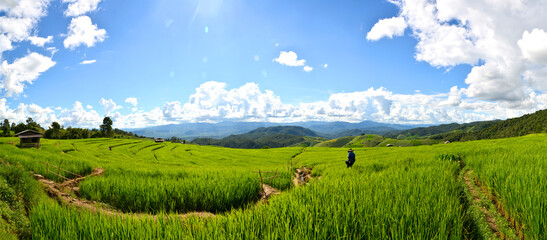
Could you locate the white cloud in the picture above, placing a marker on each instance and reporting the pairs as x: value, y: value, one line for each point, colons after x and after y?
x: 33, y: 108
x: 21, y: 71
x: 109, y: 106
x: 88, y: 61
x: 19, y: 19
x: 454, y: 97
x: 79, y: 117
x: 325, y: 65
x: 80, y: 7
x: 388, y: 27
x: 5, y: 44
x: 89, y: 107
x: 290, y: 59
x: 7, y: 4
x: 534, y: 45
x: 16, y: 29
x: 82, y: 31
x: 132, y: 101
x: 213, y: 102
x: 495, y: 38
x: 40, y: 41
x: 307, y: 69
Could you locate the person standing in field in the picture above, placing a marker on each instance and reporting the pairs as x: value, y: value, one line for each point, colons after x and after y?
x: 351, y: 158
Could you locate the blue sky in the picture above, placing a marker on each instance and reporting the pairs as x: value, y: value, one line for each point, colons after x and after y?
x: 158, y: 62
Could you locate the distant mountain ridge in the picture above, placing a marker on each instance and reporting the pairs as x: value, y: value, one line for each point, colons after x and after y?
x: 191, y: 131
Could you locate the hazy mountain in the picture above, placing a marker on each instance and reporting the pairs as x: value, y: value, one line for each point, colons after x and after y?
x: 219, y: 130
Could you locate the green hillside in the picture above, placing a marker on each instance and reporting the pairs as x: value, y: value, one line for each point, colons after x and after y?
x: 514, y: 127
x: 183, y: 191
x: 443, y: 128
x: 271, y: 137
x: 372, y: 140
x: 288, y: 130
x: 369, y: 140
x: 338, y: 142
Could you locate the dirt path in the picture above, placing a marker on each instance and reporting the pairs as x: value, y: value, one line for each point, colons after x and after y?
x: 477, y: 199
x: 67, y: 193
x: 266, y: 193
x: 476, y: 189
x: 302, y: 176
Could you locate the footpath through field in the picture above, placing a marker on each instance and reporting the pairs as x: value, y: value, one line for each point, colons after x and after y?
x: 496, y: 218
x: 67, y: 193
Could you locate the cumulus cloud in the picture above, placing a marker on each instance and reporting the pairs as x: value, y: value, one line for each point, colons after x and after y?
x: 77, y: 116
x: 496, y: 41
x: 21, y: 71
x: 18, y: 19
x: 307, y: 69
x: 534, y: 45
x: 213, y: 102
x: 82, y: 31
x: 109, y: 106
x: 388, y: 27
x: 290, y: 59
x: 80, y: 7
x: 40, y: 41
x: 132, y: 101
x: 7, y: 4
x: 84, y: 62
x: 21, y: 17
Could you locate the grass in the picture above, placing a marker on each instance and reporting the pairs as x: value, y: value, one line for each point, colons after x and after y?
x: 390, y: 193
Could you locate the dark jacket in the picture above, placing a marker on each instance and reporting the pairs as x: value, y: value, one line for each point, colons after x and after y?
x: 351, y: 156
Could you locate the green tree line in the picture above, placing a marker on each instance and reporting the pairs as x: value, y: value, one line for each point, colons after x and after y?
x: 56, y: 131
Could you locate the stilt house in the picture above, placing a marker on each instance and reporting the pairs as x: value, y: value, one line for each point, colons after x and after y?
x: 29, y: 138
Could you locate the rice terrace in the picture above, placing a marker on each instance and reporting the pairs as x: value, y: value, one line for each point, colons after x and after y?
x: 273, y: 119
x: 141, y: 189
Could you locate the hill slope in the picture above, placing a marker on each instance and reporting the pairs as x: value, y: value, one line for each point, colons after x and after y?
x: 514, y: 127
x: 443, y: 128
x: 289, y: 130
x: 279, y: 136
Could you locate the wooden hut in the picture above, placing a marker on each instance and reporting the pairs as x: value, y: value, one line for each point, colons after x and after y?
x: 158, y: 140
x: 29, y: 138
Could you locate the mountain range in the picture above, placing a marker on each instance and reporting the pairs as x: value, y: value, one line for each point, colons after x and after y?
x: 219, y: 130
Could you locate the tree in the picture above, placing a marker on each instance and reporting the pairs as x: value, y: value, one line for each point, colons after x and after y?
x: 20, y: 127
x: 54, y: 132
x: 55, y: 126
x: 33, y: 125
x: 106, y: 127
x: 6, y: 128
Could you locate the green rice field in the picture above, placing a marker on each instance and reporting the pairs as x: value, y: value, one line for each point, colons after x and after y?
x: 156, y: 189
